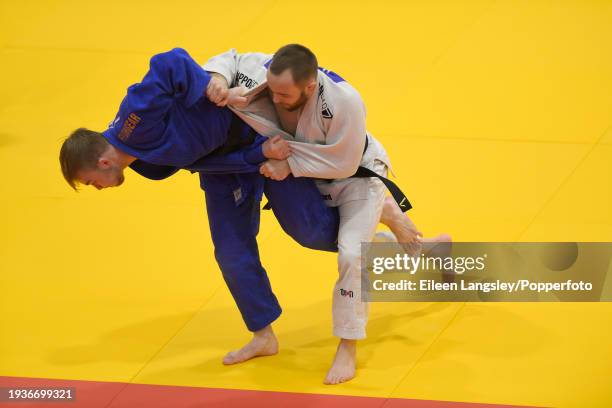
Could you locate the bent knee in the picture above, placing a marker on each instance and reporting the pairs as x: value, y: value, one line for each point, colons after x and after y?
x: 317, y: 239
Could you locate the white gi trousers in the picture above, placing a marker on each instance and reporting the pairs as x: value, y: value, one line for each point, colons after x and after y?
x: 359, y: 202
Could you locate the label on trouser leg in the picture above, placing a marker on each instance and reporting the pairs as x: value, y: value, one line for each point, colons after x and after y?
x: 350, y: 314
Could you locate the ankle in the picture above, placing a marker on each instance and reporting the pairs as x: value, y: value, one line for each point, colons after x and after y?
x: 266, y: 332
x: 388, y: 215
x: 389, y: 221
x: 348, y: 344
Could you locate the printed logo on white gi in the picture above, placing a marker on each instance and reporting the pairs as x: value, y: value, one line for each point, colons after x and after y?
x: 348, y: 293
x: 325, y: 109
x: 244, y: 80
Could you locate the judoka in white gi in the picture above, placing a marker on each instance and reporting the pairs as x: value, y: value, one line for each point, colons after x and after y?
x: 323, y: 117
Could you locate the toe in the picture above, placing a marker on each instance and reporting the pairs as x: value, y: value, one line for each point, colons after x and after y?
x: 347, y: 378
x: 231, y: 358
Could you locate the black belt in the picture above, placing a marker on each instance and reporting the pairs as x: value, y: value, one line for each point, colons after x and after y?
x: 363, y: 172
x: 399, y: 197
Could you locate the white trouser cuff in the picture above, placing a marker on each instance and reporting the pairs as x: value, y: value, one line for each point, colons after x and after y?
x: 350, y: 334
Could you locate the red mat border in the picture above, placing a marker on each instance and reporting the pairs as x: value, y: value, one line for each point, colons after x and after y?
x: 98, y: 394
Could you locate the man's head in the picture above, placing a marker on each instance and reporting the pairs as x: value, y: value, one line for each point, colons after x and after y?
x: 87, y: 158
x: 292, y: 76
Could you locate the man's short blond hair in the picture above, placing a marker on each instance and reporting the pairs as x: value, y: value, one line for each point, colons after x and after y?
x: 81, y: 151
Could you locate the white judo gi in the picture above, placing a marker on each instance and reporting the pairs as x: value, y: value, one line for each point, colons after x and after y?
x: 328, y: 144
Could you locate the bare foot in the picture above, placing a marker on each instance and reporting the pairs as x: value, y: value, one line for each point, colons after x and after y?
x: 411, y: 240
x: 430, y: 245
x: 436, y: 245
x: 440, y: 246
x: 263, y: 343
x: 402, y: 227
x: 343, y: 367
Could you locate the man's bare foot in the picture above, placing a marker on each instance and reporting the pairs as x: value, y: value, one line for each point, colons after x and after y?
x: 343, y: 367
x: 402, y: 227
x: 263, y: 343
x: 429, y: 244
x: 440, y: 246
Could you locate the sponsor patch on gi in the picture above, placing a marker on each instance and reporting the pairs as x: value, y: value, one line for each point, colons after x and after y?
x: 128, y: 126
x: 237, y: 194
x: 325, y: 109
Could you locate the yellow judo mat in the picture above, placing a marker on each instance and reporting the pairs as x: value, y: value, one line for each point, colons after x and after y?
x: 496, y: 115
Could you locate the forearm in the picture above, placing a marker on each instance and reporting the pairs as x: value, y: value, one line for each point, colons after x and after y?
x: 325, y: 161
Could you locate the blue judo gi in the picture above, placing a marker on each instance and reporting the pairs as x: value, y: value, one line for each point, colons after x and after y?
x: 167, y: 123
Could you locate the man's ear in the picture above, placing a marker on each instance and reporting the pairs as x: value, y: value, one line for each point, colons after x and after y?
x: 105, y: 160
x: 104, y: 163
x: 311, y: 86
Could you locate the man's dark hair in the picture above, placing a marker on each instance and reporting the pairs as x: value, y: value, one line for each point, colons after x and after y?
x: 81, y: 151
x: 301, y: 62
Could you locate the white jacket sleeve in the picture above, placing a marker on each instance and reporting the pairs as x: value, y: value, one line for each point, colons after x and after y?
x: 225, y: 64
x: 231, y: 65
x: 341, y: 155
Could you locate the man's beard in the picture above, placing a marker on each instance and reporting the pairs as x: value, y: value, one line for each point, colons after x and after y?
x: 300, y: 102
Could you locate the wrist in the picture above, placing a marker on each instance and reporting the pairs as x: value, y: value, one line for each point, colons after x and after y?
x: 256, y: 155
x: 218, y: 77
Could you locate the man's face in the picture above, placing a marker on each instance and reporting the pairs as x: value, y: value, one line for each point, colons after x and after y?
x: 286, y: 93
x: 105, y: 175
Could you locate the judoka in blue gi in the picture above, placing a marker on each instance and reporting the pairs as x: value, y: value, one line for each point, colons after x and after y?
x: 165, y: 123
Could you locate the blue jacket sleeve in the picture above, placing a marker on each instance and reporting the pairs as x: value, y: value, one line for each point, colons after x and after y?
x: 245, y: 160
x: 172, y: 76
x: 176, y: 74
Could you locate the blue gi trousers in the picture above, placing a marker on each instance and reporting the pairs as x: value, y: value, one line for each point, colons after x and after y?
x: 233, y: 216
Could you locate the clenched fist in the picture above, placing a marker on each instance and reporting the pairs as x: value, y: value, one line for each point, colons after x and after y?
x: 276, y: 148
x: 217, y: 90
x: 275, y: 169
